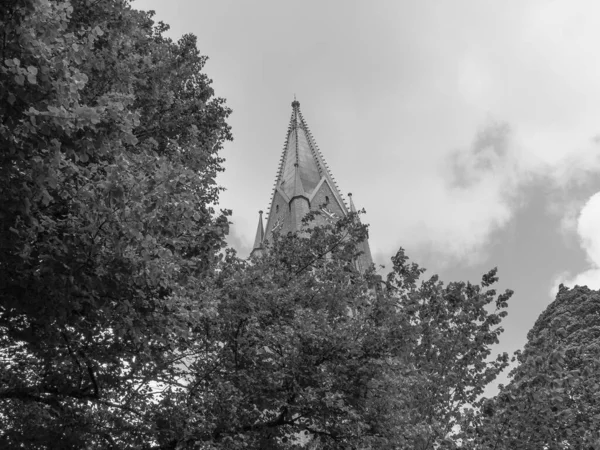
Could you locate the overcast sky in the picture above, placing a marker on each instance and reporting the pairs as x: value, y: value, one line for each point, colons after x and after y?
x: 468, y: 130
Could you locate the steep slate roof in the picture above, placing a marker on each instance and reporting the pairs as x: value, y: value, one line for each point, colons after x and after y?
x: 300, y: 149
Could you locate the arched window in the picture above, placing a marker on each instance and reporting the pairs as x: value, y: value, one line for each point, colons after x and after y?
x: 326, y: 200
x: 276, y: 208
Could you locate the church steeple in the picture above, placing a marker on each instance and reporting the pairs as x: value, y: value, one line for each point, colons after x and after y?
x: 260, y: 235
x: 303, y: 183
x: 302, y: 159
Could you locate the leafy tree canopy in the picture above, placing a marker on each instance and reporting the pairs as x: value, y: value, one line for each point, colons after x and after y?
x: 110, y: 135
x: 302, y: 348
x: 553, y: 399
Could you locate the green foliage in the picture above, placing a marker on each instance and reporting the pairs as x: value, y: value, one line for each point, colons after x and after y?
x: 443, y: 336
x: 553, y: 399
x: 301, y: 347
x: 110, y: 137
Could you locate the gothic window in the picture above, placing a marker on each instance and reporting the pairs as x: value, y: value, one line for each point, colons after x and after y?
x: 326, y: 200
x: 277, y: 209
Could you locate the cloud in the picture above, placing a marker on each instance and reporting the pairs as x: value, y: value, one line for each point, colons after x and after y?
x: 539, y: 78
x: 478, y: 189
x: 475, y: 192
x: 578, y: 165
x: 588, y: 229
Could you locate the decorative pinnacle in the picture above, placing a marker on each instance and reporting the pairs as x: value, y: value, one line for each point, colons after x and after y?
x: 295, y: 103
x: 260, y: 212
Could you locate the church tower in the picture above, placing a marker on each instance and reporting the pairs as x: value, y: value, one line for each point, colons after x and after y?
x: 304, y: 183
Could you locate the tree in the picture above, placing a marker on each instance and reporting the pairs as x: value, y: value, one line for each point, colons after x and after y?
x: 302, y: 347
x: 110, y: 135
x: 553, y: 399
x: 446, y: 343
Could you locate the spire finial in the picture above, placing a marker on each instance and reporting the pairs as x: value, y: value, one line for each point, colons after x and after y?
x: 295, y: 103
x: 351, y: 202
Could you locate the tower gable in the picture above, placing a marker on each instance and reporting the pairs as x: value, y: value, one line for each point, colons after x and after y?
x: 325, y: 200
x: 279, y: 215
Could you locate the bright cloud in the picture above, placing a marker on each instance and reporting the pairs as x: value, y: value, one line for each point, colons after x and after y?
x: 588, y: 229
x: 481, y: 187
x: 529, y: 65
x: 475, y: 195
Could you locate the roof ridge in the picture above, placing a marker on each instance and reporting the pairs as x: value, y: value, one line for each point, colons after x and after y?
x: 279, y: 174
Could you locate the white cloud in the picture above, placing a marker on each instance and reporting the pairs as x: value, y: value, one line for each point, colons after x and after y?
x: 588, y: 229
x: 481, y: 188
x: 477, y: 189
x: 578, y: 166
x: 473, y: 192
x: 569, y: 210
x: 557, y: 281
x: 540, y: 78
x: 589, y: 278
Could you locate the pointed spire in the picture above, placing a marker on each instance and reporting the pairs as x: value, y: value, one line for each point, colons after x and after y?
x: 300, y: 149
x: 352, y: 208
x: 260, y: 234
